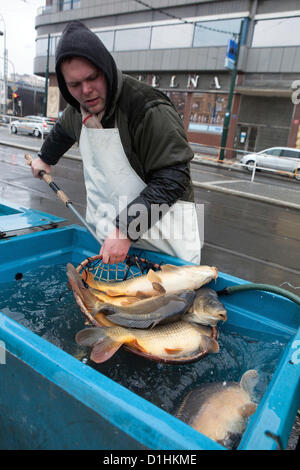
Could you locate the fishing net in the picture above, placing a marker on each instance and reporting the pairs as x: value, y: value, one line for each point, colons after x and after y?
x: 133, y: 266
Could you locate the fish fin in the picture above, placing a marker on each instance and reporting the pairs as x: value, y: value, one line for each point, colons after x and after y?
x: 141, y: 295
x: 249, y: 380
x: 140, y: 323
x: 158, y: 288
x: 103, y: 346
x: 90, y: 336
x: 247, y: 410
x: 214, y: 346
x: 210, y: 344
x: 107, y: 309
x: 173, y: 350
x: 90, y: 301
x: 168, y: 267
x: 152, y: 276
x: 137, y: 345
x: 104, y: 350
x: 102, y: 320
x: 114, y: 292
x: 130, y: 301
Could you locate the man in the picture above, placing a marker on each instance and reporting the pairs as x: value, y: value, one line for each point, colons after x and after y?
x: 134, y: 150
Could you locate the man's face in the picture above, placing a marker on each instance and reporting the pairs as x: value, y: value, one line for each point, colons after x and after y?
x: 86, y: 83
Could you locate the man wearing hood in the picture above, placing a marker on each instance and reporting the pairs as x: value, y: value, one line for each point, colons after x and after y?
x: 134, y: 150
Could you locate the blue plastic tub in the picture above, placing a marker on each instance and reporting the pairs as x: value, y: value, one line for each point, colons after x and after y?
x: 51, y: 400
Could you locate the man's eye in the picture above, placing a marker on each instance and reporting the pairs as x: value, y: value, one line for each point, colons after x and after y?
x: 91, y: 79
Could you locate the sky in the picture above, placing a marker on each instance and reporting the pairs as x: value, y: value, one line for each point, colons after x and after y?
x: 19, y: 17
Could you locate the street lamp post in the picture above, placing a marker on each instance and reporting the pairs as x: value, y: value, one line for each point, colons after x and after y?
x: 230, y: 96
x: 4, y: 65
x: 45, y: 101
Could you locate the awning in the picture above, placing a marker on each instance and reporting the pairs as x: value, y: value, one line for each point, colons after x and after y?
x: 281, y: 93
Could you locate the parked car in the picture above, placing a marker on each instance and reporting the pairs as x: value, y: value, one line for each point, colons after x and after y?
x: 275, y: 158
x: 35, y: 125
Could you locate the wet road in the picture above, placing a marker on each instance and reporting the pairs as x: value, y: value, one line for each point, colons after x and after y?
x: 247, y: 238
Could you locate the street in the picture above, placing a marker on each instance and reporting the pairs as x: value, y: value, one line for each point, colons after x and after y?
x: 247, y: 238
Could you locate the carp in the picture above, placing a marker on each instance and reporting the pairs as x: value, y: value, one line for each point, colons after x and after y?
x: 142, y: 314
x: 206, y: 309
x: 149, y: 312
x: 220, y: 410
x: 177, y: 342
x: 169, y: 279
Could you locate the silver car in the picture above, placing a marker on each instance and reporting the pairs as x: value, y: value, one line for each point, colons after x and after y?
x: 275, y: 158
x: 34, y: 125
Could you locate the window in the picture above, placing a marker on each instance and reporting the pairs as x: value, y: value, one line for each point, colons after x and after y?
x: 211, y: 37
x: 107, y: 37
x: 277, y: 32
x: 170, y: 36
x: 290, y: 153
x: 273, y: 152
x: 132, y: 39
x: 68, y: 4
x: 41, y: 46
x: 207, y: 112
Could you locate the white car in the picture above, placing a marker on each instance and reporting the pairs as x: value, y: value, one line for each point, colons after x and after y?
x: 35, y: 125
x: 275, y: 158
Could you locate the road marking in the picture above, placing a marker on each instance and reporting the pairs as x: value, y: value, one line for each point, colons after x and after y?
x: 256, y: 197
x: 223, y: 181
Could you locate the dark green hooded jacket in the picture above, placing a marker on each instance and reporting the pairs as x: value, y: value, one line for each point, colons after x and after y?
x: 151, y: 131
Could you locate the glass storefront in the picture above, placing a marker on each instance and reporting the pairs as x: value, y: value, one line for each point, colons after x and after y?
x: 207, y: 113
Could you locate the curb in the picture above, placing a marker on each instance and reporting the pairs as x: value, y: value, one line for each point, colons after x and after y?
x: 256, y: 197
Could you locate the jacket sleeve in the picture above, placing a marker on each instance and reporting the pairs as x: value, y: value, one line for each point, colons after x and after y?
x: 55, y: 145
x: 162, y: 146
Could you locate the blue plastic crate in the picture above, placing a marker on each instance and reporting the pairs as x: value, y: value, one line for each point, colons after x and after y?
x: 50, y: 400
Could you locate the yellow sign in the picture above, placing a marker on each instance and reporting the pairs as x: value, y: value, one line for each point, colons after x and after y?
x: 53, y: 102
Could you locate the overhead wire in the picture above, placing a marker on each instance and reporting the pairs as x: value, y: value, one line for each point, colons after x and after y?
x: 195, y: 23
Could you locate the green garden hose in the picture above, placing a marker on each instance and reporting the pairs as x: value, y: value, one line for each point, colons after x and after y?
x: 265, y: 287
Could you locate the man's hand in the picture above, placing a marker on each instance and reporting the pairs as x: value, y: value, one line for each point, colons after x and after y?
x: 38, y: 165
x: 115, y: 247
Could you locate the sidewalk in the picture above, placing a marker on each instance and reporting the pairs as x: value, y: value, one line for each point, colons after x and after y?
x: 269, y: 193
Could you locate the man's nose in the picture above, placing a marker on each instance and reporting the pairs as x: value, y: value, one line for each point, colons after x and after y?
x: 86, y: 87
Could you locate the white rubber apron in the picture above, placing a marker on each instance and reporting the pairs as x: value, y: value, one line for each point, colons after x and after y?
x: 111, y: 184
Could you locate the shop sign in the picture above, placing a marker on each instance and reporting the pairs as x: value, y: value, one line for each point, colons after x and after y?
x: 191, y: 81
x: 231, y: 53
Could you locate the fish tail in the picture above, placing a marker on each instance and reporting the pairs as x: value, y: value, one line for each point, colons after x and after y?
x: 90, y: 301
x: 103, y: 347
x: 75, y: 280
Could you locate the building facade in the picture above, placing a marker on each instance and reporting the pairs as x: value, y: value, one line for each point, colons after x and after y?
x: 181, y: 46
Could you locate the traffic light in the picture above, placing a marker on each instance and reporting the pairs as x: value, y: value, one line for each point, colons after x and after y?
x: 15, y: 95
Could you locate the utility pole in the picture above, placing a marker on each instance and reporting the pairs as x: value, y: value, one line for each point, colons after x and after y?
x: 46, y: 81
x: 230, y: 96
x: 3, y: 33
